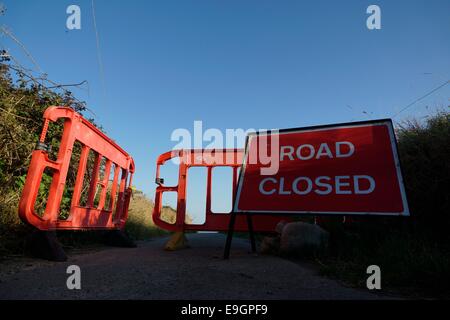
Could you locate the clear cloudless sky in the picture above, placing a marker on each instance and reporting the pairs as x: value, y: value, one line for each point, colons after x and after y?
x: 236, y: 64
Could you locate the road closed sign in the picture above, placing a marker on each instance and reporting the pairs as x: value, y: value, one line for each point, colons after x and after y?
x: 346, y: 169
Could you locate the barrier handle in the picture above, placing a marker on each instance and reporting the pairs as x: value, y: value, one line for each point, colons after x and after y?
x: 161, y: 188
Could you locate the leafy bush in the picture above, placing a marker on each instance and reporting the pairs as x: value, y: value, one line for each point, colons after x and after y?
x: 23, y: 100
x: 425, y: 152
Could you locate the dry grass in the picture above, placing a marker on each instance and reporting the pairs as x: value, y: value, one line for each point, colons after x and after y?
x: 140, y: 225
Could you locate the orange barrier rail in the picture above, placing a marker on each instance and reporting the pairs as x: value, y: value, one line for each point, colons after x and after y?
x: 214, y: 221
x: 111, y: 214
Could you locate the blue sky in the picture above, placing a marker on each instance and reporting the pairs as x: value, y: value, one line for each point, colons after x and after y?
x: 236, y: 64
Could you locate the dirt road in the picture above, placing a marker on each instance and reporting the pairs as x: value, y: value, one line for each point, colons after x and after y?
x: 148, y: 272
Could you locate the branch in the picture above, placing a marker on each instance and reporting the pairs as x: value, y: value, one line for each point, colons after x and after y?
x: 27, y: 53
x: 67, y: 85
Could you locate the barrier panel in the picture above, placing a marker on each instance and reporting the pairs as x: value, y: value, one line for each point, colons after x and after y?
x: 214, y: 221
x: 105, y: 201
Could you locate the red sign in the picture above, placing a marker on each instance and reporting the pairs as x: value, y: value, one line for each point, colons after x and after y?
x: 338, y: 169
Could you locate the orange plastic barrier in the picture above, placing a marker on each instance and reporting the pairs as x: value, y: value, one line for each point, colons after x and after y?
x: 110, y: 214
x: 214, y: 221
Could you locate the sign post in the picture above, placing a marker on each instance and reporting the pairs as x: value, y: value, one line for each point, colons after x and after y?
x: 342, y: 169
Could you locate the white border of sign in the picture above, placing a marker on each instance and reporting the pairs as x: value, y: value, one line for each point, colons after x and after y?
x: 382, y: 122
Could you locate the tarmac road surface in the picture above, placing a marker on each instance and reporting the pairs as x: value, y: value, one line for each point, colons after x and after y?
x: 149, y: 272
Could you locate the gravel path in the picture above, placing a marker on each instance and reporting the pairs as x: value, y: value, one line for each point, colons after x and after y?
x: 148, y: 272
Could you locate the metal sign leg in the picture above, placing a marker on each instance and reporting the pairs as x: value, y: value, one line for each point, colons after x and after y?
x: 226, y: 253
x: 251, y: 234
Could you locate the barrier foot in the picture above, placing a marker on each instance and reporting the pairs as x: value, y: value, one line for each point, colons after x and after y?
x: 44, y: 245
x: 118, y: 238
x: 177, y: 241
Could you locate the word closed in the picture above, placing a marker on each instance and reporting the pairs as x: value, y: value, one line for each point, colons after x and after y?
x: 340, y: 169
